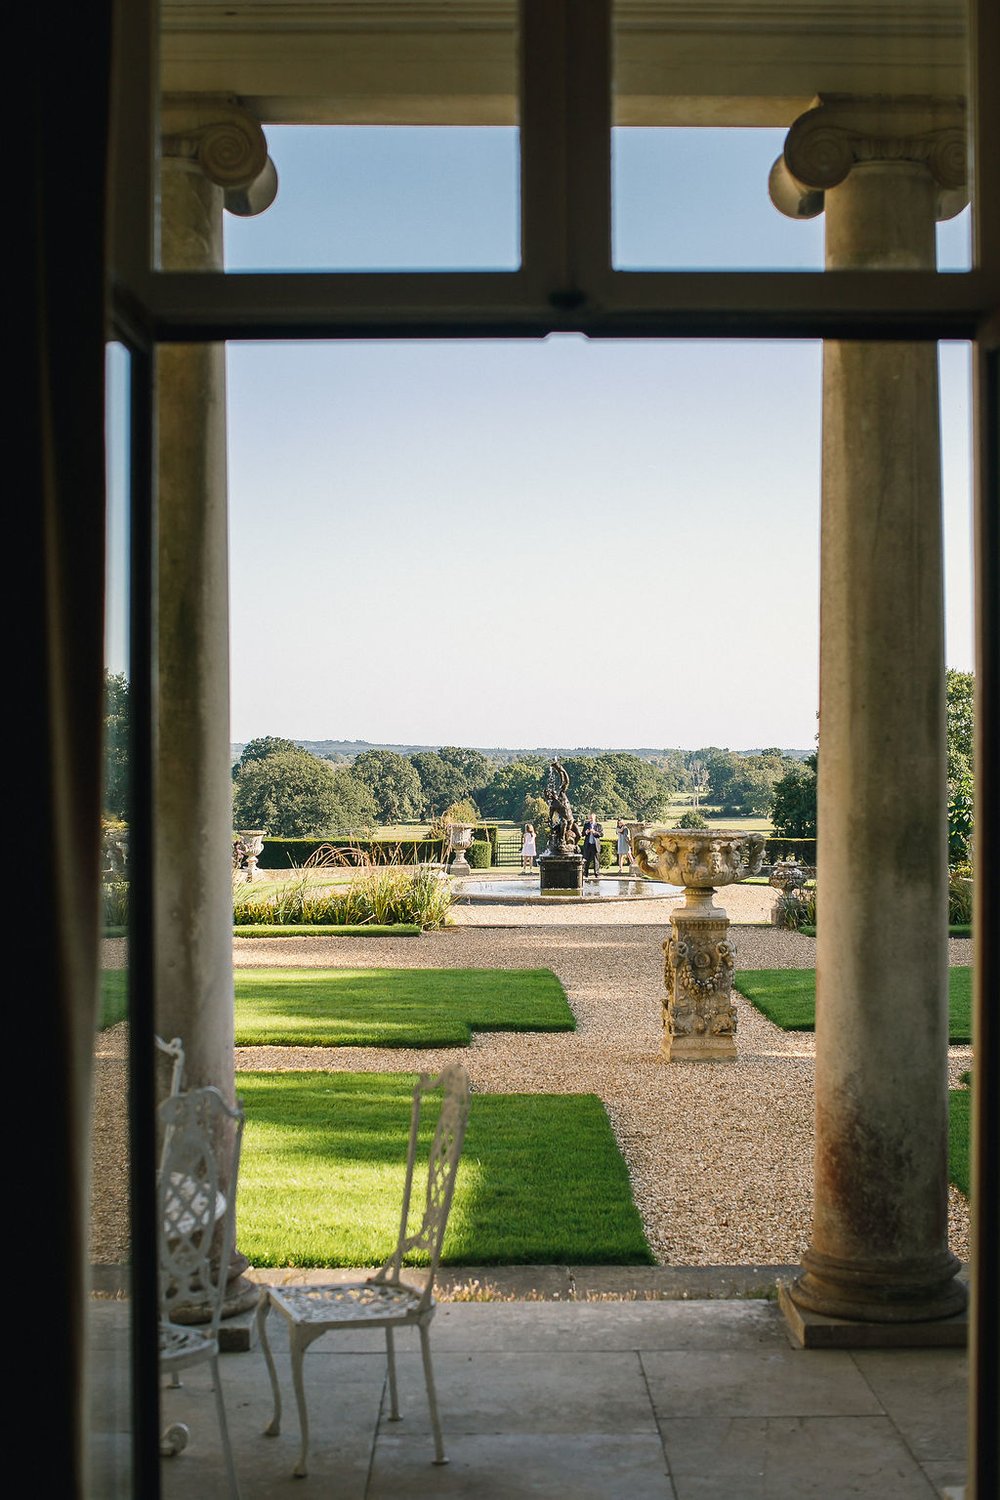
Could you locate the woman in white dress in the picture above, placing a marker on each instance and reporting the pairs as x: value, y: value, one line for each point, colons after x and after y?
x: 528, y: 847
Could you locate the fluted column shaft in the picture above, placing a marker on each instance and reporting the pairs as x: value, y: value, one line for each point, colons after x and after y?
x: 879, y: 1248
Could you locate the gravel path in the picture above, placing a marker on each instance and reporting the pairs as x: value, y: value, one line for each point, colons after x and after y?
x: 720, y: 1156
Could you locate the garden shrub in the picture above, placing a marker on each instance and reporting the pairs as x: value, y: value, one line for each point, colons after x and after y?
x: 115, y: 903
x: 691, y: 820
x: 795, y: 909
x: 480, y: 854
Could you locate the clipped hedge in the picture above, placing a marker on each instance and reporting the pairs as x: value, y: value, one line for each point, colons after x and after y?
x: 284, y: 854
x: 776, y: 847
x: 480, y: 854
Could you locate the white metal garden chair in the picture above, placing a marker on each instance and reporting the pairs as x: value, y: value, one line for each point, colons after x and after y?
x: 196, y: 1224
x: 174, y: 1049
x: 384, y: 1300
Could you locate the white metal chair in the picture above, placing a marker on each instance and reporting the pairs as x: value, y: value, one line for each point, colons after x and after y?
x: 174, y: 1049
x: 384, y: 1300
x: 196, y: 1224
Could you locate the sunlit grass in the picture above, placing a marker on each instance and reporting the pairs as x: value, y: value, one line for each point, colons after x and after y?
x: 541, y: 1179
x: 393, y: 1007
x: 788, y: 998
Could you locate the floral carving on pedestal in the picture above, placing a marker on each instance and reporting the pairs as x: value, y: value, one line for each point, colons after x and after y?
x: 699, y: 1019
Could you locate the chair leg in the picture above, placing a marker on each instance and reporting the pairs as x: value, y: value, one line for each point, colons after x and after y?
x: 390, y: 1350
x: 425, y: 1350
x: 263, y: 1308
x: 298, y: 1345
x: 220, y: 1406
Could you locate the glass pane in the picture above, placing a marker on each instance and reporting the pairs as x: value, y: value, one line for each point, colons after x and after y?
x: 382, y: 140
x: 109, y: 1328
x: 864, y: 109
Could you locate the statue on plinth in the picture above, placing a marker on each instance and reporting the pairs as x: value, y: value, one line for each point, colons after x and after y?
x: 561, y: 866
x: 564, y: 834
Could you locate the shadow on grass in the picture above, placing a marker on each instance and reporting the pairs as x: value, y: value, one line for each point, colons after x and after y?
x: 541, y: 1181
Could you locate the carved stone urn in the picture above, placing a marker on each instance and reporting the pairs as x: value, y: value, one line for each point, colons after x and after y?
x: 253, y: 843
x: 699, y: 1019
x: 459, y: 839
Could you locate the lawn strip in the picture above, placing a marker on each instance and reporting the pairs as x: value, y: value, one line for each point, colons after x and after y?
x: 959, y: 1129
x: 788, y: 998
x: 393, y: 1007
x: 541, y: 1181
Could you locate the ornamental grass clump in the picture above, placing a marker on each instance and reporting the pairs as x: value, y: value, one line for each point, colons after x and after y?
x: 376, y: 895
x: 796, y: 908
x: 115, y: 903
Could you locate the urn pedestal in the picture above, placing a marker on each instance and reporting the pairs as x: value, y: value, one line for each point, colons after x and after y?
x: 459, y: 839
x: 699, y: 1018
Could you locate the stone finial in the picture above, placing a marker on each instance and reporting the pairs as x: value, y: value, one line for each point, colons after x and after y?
x: 840, y: 132
x: 227, y: 143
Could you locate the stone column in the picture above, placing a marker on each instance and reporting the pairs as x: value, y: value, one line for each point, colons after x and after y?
x: 211, y: 151
x: 879, y: 1251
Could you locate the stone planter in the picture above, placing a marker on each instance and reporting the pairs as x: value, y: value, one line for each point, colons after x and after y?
x: 699, y: 1019
x: 253, y: 843
x: 459, y: 839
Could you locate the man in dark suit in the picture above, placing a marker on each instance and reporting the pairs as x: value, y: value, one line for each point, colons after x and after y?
x: 592, y: 831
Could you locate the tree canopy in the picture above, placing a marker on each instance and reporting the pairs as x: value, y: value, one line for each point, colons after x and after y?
x: 794, y: 807
x: 440, y: 782
x: 267, y: 744
x: 960, y: 699
x: 293, y: 794
x: 392, y: 781
x: 116, y: 745
x: 961, y: 722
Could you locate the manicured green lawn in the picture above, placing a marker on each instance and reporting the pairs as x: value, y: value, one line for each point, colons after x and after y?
x: 788, y: 998
x: 114, y: 997
x: 541, y: 1178
x: 959, y: 1126
x: 393, y: 1007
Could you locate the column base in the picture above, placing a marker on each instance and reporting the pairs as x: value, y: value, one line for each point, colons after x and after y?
x: 815, y: 1330
x: 922, y: 1292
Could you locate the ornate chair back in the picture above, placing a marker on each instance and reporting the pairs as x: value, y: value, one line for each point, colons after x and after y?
x: 195, y: 1210
x: 446, y: 1148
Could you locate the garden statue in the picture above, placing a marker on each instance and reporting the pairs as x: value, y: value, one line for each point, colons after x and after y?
x: 699, y: 1019
x: 561, y: 866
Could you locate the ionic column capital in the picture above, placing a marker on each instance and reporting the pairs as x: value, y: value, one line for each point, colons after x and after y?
x: 225, y: 142
x: 841, y: 132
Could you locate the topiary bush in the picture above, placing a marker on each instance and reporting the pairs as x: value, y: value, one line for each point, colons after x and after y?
x: 691, y: 820
x: 480, y: 854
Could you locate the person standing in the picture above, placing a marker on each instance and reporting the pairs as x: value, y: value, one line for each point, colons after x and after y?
x: 624, y: 845
x: 592, y: 832
x: 528, y: 847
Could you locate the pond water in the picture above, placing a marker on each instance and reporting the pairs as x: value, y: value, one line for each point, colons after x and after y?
x: 526, y: 888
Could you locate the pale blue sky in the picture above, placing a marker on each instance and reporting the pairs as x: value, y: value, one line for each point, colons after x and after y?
x: 536, y: 542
